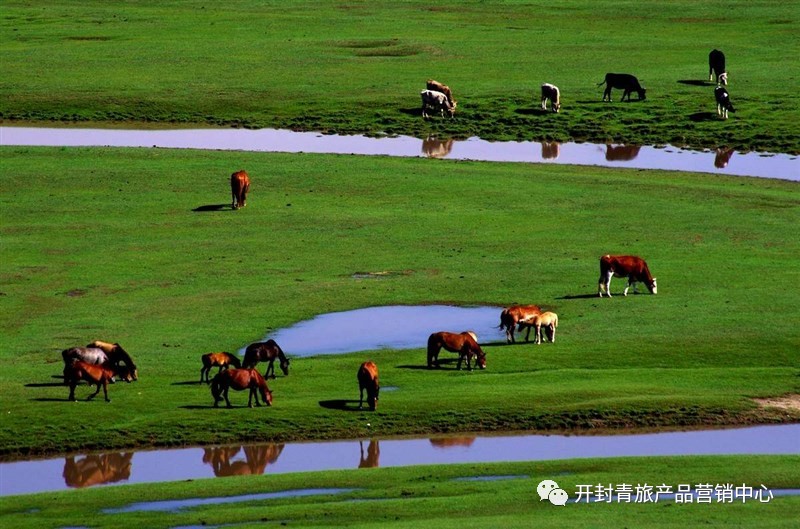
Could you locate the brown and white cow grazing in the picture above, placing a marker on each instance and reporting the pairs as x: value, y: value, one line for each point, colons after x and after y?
x: 240, y: 185
x: 436, y: 86
x: 552, y: 93
x: 716, y: 66
x: 630, y: 266
x: 627, y: 82
x: 436, y: 101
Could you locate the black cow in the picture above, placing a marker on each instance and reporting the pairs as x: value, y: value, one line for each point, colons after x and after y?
x: 625, y: 81
x: 723, y: 102
x: 716, y: 66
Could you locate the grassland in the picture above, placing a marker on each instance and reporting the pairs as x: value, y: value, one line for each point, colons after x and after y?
x: 107, y: 244
x: 358, y: 67
x: 434, y: 496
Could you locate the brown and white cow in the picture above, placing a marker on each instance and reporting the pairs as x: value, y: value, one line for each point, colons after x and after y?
x: 630, y: 266
x: 240, y: 185
x: 551, y: 92
x: 436, y: 101
x: 436, y: 86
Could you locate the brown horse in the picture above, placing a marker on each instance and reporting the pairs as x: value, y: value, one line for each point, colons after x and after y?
x: 372, y: 457
x: 257, y: 458
x: 368, y: 380
x: 117, y: 354
x: 548, y: 320
x: 465, y: 344
x: 223, y: 360
x: 99, y: 375
x: 97, y: 469
x: 240, y: 185
x: 265, y: 352
x: 511, y: 316
x: 240, y: 379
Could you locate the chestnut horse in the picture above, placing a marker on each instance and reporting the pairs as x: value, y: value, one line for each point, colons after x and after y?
x: 99, y: 375
x: 465, y: 344
x: 511, y: 316
x: 117, y: 354
x: 548, y: 320
x: 240, y: 379
x: 223, y: 360
x: 368, y: 380
x: 263, y: 352
x: 240, y: 185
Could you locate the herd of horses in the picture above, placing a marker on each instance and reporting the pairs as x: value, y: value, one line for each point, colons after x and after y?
x: 99, y: 363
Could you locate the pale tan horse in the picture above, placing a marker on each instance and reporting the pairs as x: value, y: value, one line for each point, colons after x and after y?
x: 548, y: 320
x: 117, y: 354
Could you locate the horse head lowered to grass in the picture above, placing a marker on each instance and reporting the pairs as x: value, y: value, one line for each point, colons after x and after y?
x: 265, y: 352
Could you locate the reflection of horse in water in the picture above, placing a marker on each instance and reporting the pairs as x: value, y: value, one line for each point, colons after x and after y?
x: 433, y: 148
x: 373, y: 454
x: 97, y: 469
x: 448, y: 442
x: 256, y: 459
x: 722, y: 158
x: 550, y: 150
x: 622, y: 153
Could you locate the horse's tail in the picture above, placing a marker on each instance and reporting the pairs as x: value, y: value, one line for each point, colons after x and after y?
x: 504, y: 320
x: 434, y: 345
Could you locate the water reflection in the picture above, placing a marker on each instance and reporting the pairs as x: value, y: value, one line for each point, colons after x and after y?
x: 550, y: 150
x: 26, y: 477
x: 764, y: 165
x: 256, y: 459
x: 722, y: 158
x: 622, y: 153
x: 435, y: 148
x: 97, y: 469
x: 370, y: 458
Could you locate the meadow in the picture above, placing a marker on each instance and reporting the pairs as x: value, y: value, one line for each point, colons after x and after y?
x: 140, y: 246
x: 358, y: 67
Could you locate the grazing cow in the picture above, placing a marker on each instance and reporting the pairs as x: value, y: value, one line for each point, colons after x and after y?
x: 552, y: 93
x: 433, y: 148
x: 722, y: 158
x: 511, y: 316
x: 550, y: 150
x: 716, y: 66
x: 622, y: 153
x: 368, y: 381
x: 436, y: 101
x: 723, y: 102
x: 436, y: 86
x: 630, y: 266
x: 223, y: 360
x: 240, y: 185
x: 548, y: 320
x: 626, y: 82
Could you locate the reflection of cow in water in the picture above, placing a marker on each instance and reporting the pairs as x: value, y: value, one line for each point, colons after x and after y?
x: 433, y: 148
x: 257, y: 458
x: 372, y: 457
x: 722, y: 158
x: 97, y: 469
x: 622, y: 153
x: 550, y: 150
x: 449, y: 442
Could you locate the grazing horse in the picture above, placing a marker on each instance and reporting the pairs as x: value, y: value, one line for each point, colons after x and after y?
x: 465, y: 344
x: 240, y: 185
x: 368, y: 380
x: 266, y: 352
x: 548, y: 320
x: 222, y: 360
x: 99, y: 375
x: 117, y: 354
x: 90, y: 355
x: 511, y: 316
x: 240, y: 379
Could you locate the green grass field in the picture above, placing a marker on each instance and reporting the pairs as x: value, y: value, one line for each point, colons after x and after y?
x: 358, y: 67
x: 105, y: 244
x: 436, y: 496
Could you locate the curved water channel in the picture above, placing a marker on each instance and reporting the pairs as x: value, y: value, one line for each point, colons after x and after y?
x: 719, y: 161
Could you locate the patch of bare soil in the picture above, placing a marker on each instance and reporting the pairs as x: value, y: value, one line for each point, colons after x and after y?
x: 787, y: 402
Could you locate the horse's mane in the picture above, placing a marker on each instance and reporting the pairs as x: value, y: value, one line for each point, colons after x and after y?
x: 123, y: 355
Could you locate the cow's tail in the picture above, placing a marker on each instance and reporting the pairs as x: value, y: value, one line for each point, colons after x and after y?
x: 601, y: 84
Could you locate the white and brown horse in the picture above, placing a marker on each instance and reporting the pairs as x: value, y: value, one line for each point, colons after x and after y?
x: 117, y: 354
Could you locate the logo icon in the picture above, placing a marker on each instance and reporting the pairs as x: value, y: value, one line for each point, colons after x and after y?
x: 549, y: 490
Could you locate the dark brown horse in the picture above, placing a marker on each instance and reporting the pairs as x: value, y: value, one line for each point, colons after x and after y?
x: 465, y: 344
x: 99, y: 375
x: 240, y: 379
x: 368, y: 381
x: 117, y: 354
x: 223, y: 360
x: 511, y: 316
x: 265, y: 352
